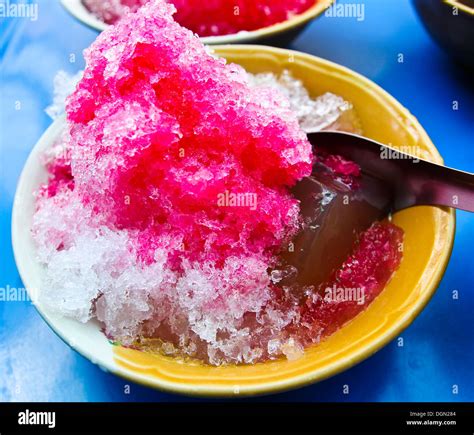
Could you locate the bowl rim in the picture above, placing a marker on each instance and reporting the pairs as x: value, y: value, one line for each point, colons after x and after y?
x: 460, y: 6
x: 306, y: 378
x: 80, y: 12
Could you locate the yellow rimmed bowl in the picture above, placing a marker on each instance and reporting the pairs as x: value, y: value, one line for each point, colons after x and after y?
x: 429, y: 235
x: 279, y: 34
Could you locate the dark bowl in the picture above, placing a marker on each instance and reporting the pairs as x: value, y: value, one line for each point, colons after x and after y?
x: 451, y: 24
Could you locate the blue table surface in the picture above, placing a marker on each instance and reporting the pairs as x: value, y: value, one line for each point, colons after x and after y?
x: 436, y: 362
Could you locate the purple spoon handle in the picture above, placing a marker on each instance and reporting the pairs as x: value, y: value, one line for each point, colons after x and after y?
x: 412, y: 181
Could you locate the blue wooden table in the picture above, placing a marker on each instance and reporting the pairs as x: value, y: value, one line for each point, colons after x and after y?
x: 436, y: 362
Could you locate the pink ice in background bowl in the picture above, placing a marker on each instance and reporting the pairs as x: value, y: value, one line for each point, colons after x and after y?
x: 211, y: 17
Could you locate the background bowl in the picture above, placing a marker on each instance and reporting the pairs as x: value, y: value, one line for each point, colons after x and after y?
x: 429, y: 234
x: 279, y: 34
x: 451, y: 24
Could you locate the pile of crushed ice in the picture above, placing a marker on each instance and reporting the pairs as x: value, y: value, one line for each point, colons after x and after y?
x: 168, y: 199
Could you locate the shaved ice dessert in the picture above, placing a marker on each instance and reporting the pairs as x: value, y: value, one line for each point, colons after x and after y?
x: 169, y: 202
x: 210, y: 17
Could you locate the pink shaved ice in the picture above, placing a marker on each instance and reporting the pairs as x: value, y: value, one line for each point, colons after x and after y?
x: 161, y: 137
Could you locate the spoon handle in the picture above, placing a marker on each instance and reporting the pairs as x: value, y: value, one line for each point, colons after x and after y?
x: 413, y: 181
x: 427, y: 183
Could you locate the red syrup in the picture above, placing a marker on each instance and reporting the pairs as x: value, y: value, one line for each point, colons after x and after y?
x: 340, y: 266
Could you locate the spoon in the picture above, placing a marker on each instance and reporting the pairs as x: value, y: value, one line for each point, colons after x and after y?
x: 412, y: 181
x: 335, y: 215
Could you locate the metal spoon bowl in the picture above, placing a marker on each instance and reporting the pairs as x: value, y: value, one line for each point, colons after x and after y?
x: 335, y: 215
